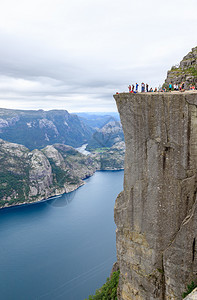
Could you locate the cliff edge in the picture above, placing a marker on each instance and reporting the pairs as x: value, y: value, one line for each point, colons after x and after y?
x: 156, y: 214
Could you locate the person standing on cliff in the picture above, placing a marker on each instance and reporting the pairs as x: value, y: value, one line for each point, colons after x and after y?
x: 147, y: 87
x: 136, y: 87
x: 170, y: 86
x: 129, y: 87
x: 133, y: 88
x: 142, y: 87
x: 182, y: 86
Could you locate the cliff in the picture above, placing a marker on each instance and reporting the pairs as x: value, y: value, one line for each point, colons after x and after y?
x: 156, y: 214
x: 186, y: 71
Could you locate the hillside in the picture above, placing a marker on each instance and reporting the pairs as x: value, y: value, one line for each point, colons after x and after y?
x: 98, y: 120
x: 107, y: 136
x: 37, y: 129
x: 110, y: 158
x: 186, y: 71
x: 28, y: 176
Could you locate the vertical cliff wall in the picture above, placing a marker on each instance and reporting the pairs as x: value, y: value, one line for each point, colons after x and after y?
x: 156, y: 214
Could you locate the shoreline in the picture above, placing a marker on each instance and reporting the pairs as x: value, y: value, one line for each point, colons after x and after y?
x: 56, y: 195
x: 41, y: 200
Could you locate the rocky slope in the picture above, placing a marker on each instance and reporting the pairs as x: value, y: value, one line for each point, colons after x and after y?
x: 28, y: 176
x: 110, y: 159
x: 156, y: 214
x: 37, y: 129
x: 186, y: 71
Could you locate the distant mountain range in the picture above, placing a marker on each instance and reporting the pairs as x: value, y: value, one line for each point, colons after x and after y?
x: 37, y: 129
x: 98, y: 120
x: 110, y: 134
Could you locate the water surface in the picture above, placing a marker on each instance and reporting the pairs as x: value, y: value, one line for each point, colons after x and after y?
x: 63, y: 248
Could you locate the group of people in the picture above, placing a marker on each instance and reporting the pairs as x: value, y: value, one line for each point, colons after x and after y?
x: 172, y: 87
x: 144, y: 88
x: 180, y: 87
x: 177, y: 87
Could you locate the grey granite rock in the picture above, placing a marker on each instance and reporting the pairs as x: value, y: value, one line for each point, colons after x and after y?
x: 156, y: 214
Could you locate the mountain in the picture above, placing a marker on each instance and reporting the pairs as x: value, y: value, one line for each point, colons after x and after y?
x: 185, y: 71
x: 29, y: 176
x: 112, y: 158
x: 98, y: 120
x: 110, y: 134
x: 37, y: 129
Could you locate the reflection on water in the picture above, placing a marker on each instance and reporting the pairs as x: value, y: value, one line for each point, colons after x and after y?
x: 61, y: 200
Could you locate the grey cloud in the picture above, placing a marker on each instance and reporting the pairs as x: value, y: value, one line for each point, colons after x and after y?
x: 80, y: 53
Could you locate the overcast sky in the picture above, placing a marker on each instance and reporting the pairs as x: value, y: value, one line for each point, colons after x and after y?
x: 75, y: 54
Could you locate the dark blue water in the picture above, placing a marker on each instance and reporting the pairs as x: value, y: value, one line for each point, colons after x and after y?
x: 63, y: 248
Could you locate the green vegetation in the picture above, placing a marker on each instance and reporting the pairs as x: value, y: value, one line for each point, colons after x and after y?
x: 192, y: 71
x: 181, y: 71
x: 101, y: 150
x: 13, y: 186
x: 61, y: 176
x: 109, y: 290
x: 190, y: 288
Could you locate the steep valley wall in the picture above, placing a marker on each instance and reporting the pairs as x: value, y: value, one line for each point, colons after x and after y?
x: 156, y: 214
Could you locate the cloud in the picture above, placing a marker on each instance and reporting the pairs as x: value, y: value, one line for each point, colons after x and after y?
x: 76, y: 54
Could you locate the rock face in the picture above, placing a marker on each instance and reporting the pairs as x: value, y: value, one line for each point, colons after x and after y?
x: 31, y: 176
x: 156, y: 214
x: 186, y: 71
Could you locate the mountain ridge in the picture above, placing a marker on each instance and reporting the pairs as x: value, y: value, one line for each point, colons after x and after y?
x: 39, y: 128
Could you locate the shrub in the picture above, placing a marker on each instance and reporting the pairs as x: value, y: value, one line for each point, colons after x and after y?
x: 109, y: 290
